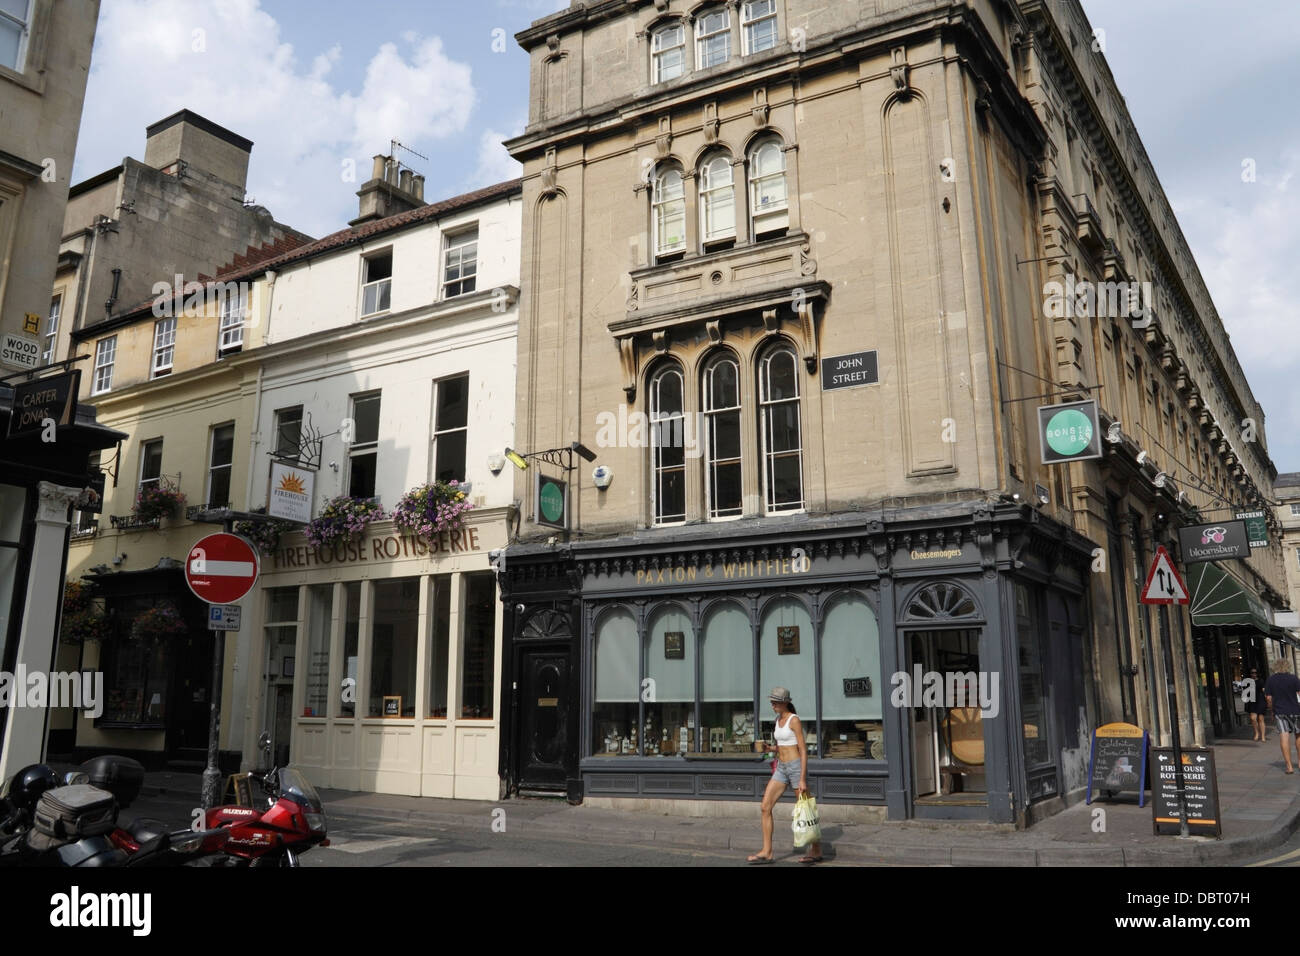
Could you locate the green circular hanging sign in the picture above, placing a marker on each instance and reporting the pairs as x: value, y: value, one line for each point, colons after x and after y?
x: 552, y: 502
x: 1069, y: 432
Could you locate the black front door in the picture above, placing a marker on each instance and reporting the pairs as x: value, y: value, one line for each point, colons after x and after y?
x: 544, y: 724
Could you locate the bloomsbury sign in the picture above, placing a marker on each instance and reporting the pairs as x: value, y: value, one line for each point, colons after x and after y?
x: 1214, y: 542
x: 385, y: 548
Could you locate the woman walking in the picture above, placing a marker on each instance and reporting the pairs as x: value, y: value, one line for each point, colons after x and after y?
x: 1256, y: 707
x: 791, y: 771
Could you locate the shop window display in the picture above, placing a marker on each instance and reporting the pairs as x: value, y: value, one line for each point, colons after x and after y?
x: 441, y: 625
x: 786, y: 660
x: 669, y: 683
x: 396, y: 619
x: 726, y: 682
x: 852, y: 696
x: 351, y: 634
x: 617, y: 673
x: 316, y: 692
x: 478, y: 654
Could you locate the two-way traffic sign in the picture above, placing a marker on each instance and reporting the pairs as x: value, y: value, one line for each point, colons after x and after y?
x: 1164, y: 585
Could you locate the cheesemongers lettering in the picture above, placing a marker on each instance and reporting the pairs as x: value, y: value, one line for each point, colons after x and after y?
x: 386, y: 548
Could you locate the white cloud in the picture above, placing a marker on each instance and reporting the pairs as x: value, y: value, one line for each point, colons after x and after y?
x: 495, y: 165
x: 227, y: 61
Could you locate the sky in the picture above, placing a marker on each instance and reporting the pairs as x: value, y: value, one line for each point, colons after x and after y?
x: 321, y: 86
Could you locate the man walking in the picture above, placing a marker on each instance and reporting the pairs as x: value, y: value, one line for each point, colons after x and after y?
x: 1282, y: 690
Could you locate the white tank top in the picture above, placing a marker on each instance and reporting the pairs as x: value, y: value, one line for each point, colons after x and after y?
x: 785, y: 735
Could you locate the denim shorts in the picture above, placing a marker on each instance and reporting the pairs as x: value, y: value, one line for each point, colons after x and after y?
x: 788, y: 771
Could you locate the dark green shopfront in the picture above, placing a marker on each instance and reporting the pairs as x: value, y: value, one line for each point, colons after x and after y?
x: 640, y: 665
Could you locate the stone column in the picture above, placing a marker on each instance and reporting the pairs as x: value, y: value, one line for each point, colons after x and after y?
x: 24, y: 731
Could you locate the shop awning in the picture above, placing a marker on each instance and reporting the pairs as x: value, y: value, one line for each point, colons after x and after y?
x: 1219, y: 599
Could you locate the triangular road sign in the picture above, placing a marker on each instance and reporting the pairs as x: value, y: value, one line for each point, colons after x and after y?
x: 1164, y: 585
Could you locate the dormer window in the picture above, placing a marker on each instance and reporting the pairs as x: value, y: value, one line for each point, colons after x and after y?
x: 377, y: 283
x: 668, y: 53
x: 758, y: 25
x: 713, y: 38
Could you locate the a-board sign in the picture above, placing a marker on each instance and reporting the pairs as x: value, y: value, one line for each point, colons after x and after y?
x: 1118, y: 761
x: 1201, y: 784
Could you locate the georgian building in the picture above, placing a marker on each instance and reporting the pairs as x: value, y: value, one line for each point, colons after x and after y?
x: 793, y: 272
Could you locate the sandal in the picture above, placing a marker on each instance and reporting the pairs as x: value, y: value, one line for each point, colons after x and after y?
x: 758, y: 859
x: 810, y: 859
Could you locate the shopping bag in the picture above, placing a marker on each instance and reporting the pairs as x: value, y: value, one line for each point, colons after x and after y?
x: 807, y: 821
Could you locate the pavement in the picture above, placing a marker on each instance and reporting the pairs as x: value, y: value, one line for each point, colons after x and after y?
x: 1260, y: 807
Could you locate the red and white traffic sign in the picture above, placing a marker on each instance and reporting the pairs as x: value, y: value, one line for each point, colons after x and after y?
x: 1164, y: 585
x: 221, y: 568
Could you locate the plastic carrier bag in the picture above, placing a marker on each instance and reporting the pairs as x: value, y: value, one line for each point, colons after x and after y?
x: 807, y: 821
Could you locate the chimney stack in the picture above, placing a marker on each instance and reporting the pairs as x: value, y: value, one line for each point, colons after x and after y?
x: 404, y: 182
x: 391, y: 190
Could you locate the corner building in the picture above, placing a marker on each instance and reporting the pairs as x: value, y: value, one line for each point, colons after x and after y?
x: 783, y: 270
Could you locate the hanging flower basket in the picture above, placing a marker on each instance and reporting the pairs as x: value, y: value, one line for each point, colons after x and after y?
x: 265, y: 534
x: 158, y: 623
x: 82, y: 620
x: 158, y: 500
x: 343, y: 519
x: 432, y: 508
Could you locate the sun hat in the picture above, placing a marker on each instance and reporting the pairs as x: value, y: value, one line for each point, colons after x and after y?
x: 779, y: 694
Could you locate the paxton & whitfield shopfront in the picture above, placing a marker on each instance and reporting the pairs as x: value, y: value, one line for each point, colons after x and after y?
x: 641, y: 664
x: 380, y: 659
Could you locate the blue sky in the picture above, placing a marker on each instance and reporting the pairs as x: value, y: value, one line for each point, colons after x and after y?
x: 315, y: 84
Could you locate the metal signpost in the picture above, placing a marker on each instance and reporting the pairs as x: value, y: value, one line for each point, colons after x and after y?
x: 1165, y: 587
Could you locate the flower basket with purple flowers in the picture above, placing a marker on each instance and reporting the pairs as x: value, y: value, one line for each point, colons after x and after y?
x: 158, y: 623
x: 431, y: 508
x: 158, y: 500
x: 266, y: 533
x: 343, y: 519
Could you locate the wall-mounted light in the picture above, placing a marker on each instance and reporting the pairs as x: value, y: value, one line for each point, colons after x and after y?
x: 1142, y: 457
x: 1114, y: 434
x: 516, y: 459
x: 495, y: 463
x: 583, y: 450
x: 1159, y: 479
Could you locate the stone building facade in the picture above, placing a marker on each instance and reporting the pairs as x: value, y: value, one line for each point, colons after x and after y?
x: 788, y: 271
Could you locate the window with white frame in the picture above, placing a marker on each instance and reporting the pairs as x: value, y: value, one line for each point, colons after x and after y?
x: 234, y: 308
x: 717, y: 200
x: 150, y: 463
x: 164, y: 346
x: 780, y: 432
x: 105, y: 353
x: 15, y: 29
x: 450, y: 428
x: 713, y: 38
x: 1295, y: 511
x: 768, y: 205
x: 668, y: 52
x: 1297, y: 556
x: 220, y: 460
x: 377, y: 283
x: 363, y: 453
x: 460, y: 263
x: 669, y: 203
x: 51, y: 327
x: 722, y: 484
x: 288, y: 433
x: 667, y: 446
x: 758, y: 25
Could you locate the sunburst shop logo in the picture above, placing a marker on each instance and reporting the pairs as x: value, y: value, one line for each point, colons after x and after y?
x: 292, y: 484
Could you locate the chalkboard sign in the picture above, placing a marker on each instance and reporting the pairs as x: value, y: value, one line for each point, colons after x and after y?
x: 1118, y: 761
x: 1200, y: 783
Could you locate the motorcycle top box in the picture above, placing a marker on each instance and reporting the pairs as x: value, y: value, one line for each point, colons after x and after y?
x: 120, y: 776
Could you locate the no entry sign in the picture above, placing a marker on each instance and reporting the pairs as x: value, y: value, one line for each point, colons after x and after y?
x: 221, y: 568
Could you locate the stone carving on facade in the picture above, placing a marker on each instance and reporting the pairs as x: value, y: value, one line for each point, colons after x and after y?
x: 760, y: 110
x: 628, y: 359
x: 711, y: 123
x: 550, y: 173
x: 660, y: 339
x: 898, y: 69
x: 55, y: 501
x: 634, y: 298
x: 714, y: 327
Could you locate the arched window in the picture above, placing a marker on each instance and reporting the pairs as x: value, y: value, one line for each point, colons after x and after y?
x: 713, y: 38
x: 669, y: 653
x: 717, y: 200
x: 722, y: 437
x: 667, y: 448
x: 758, y: 25
x: 768, y: 205
x: 781, y: 434
x: 852, y: 695
x: 669, y: 203
x: 786, y: 660
x: 667, y: 52
x: 726, y: 674
x: 617, y: 685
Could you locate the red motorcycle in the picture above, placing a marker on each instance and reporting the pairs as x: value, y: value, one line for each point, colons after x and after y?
x: 293, y: 822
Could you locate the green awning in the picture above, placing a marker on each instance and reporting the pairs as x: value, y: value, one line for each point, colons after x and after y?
x: 1219, y: 599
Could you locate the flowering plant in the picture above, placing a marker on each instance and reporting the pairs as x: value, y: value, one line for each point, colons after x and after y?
x: 265, y: 534
x: 343, y: 519
x: 160, y: 621
x: 82, y: 621
x: 158, y: 500
x: 429, y: 509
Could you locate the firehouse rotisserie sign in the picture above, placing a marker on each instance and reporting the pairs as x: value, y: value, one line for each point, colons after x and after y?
x: 381, y: 548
